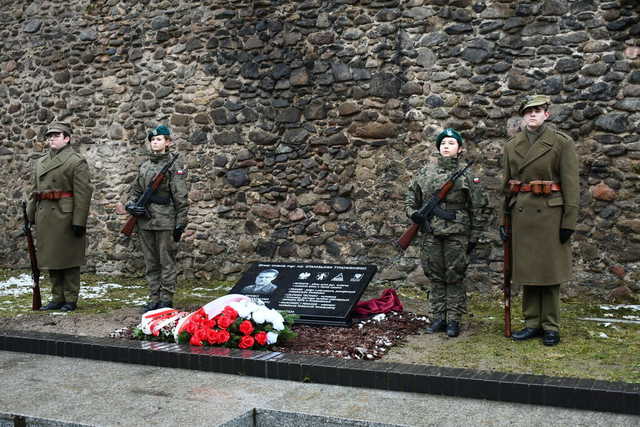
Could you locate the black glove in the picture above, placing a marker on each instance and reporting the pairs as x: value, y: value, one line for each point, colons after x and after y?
x: 177, y: 233
x: 417, y: 218
x: 565, y: 235
x: 135, y: 210
x: 471, y: 246
x: 504, y: 236
x: 78, y: 230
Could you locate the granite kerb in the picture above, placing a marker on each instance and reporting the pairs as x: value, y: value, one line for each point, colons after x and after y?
x: 576, y: 393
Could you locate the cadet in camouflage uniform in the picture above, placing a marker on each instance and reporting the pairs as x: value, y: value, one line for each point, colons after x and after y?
x: 59, y: 207
x: 447, y: 243
x: 161, y: 224
x: 542, y: 188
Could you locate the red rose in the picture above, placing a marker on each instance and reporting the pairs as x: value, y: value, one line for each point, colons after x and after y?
x: 211, y: 323
x: 230, y: 312
x: 223, y: 336
x: 261, y: 337
x: 191, y: 327
x: 195, y: 340
x: 246, y: 342
x: 201, y: 334
x: 224, y: 322
x: 212, y: 336
x: 246, y: 327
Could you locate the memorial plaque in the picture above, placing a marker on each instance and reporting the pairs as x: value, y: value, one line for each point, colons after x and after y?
x: 321, y: 294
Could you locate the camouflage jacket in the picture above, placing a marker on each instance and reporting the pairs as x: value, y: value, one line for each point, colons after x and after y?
x: 467, y: 199
x: 170, y: 202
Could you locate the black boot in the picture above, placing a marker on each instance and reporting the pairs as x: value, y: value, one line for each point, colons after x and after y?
x: 526, y: 333
x: 69, y: 306
x: 151, y: 305
x: 453, y: 329
x: 165, y: 304
x: 438, y: 325
x: 551, y: 338
x: 53, y: 306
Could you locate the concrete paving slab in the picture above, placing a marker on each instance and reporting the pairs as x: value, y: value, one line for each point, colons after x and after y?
x: 113, y: 394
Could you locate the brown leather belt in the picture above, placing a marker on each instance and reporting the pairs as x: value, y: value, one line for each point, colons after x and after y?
x: 535, y: 187
x: 52, y: 195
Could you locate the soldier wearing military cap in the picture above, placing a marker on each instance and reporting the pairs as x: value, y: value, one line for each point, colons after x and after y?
x: 59, y: 208
x: 542, y: 193
x: 450, y: 238
x: 162, y: 222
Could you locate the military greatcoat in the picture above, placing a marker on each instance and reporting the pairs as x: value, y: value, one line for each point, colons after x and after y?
x: 538, y: 256
x: 67, y: 171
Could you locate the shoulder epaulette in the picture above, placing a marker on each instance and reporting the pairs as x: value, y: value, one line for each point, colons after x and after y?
x: 563, y: 135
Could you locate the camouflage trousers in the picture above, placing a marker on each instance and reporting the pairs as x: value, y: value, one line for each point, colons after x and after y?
x: 445, y: 261
x: 159, y: 251
x: 65, y: 284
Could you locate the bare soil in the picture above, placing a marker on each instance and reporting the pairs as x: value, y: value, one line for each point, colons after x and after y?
x: 364, y: 339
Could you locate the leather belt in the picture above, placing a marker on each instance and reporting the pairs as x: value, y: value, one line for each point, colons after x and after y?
x: 52, y: 195
x: 535, y: 187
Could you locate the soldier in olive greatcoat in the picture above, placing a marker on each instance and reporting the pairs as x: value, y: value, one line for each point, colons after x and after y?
x: 542, y: 193
x: 161, y: 223
x: 59, y: 207
x: 449, y: 239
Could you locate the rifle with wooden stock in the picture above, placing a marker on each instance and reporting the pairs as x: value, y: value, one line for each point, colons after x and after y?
x: 143, y: 200
x: 429, y: 208
x: 36, y: 300
x: 505, y: 235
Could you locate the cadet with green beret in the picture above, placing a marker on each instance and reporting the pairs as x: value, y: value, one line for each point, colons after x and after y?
x: 542, y: 192
x: 449, y: 239
x: 59, y: 208
x: 162, y: 222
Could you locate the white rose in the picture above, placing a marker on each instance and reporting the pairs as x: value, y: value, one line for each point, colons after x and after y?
x: 278, y: 324
x: 261, y: 315
x: 275, y: 318
x: 272, y: 338
x: 244, y: 308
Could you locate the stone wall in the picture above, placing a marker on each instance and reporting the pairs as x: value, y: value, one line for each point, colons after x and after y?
x: 301, y: 122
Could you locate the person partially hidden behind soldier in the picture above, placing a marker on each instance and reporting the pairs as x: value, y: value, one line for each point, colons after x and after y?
x: 263, y: 285
x: 59, y: 207
x: 451, y: 236
x: 162, y: 222
x: 542, y: 190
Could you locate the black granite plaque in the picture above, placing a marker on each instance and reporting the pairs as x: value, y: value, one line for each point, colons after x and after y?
x: 321, y: 294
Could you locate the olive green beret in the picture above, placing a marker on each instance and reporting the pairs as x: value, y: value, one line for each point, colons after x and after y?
x: 160, y: 130
x: 534, y: 101
x: 448, y: 133
x: 58, y: 127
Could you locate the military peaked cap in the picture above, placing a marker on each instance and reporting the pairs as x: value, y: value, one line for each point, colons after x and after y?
x: 58, y: 127
x: 534, y: 101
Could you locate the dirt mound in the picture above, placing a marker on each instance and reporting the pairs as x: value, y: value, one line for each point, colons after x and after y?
x: 364, y: 339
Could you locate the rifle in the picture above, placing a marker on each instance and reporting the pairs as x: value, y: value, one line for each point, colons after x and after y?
x: 431, y: 207
x: 36, y: 300
x: 505, y: 235
x: 143, y: 200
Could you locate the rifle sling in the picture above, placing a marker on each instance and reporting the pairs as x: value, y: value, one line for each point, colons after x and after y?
x: 159, y: 200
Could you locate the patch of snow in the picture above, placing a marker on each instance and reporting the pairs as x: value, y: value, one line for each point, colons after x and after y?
x: 16, y: 286
x: 634, y: 307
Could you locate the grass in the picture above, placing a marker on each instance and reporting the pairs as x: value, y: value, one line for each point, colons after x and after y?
x: 588, y: 349
x: 102, y: 294
x: 584, y: 352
